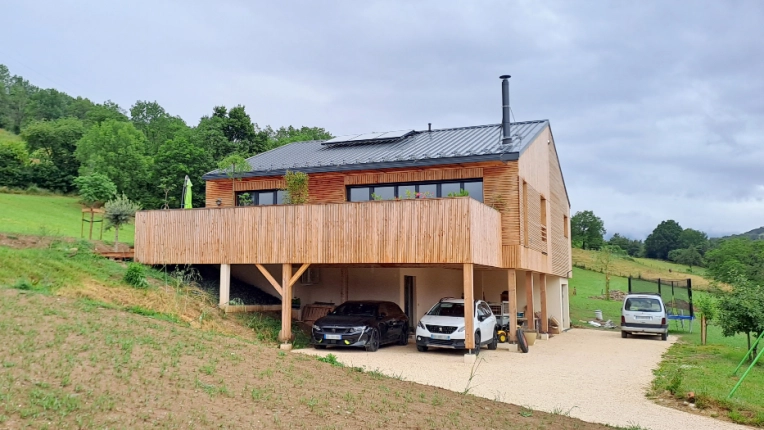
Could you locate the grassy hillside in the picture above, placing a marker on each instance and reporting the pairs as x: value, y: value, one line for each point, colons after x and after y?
x: 644, y: 267
x: 50, y: 216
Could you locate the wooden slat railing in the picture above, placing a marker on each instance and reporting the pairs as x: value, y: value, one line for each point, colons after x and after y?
x: 422, y: 231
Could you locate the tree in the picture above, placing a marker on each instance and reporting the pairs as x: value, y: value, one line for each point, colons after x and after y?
x: 155, y: 123
x: 103, y: 112
x: 117, y: 150
x: 240, y: 134
x: 632, y: 247
x: 734, y: 257
x: 14, y: 161
x: 178, y: 157
x: 95, y: 189
x: 56, y: 142
x: 587, y: 230
x: 18, y: 92
x: 605, y: 257
x: 707, y: 307
x: 285, y: 135
x: 741, y: 310
x: 688, y: 257
x: 234, y: 166
x: 118, y: 212
x: 690, y: 238
x: 664, y: 239
x: 48, y: 104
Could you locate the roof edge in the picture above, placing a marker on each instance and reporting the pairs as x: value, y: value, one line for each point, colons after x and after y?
x: 505, y: 156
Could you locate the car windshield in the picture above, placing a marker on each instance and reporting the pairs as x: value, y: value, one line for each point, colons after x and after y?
x: 643, y: 304
x: 356, y: 309
x: 447, y: 309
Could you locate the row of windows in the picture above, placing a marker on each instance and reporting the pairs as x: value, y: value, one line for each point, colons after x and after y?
x: 412, y: 190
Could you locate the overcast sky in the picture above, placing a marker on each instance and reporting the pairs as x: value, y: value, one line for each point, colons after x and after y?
x: 657, y: 108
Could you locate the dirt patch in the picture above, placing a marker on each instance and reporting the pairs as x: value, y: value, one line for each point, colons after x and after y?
x: 70, y: 364
x: 21, y: 241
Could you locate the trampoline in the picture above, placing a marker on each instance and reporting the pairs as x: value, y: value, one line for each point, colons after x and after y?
x: 676, y: 295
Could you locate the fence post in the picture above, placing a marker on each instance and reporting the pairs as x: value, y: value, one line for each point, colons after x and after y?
x: 689, y: 295
x: 629, y: 284
x: 659, y: 288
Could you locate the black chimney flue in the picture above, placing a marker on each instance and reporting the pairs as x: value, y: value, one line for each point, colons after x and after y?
x: 506, y: 136
x: 429, y: 126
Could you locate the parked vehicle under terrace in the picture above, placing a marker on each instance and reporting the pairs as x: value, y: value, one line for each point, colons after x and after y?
x: 366, y: 324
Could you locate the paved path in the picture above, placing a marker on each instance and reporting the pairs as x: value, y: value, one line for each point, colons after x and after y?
x: 595, y: 375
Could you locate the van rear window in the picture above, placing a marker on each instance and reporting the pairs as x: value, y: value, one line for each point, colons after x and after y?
x: 643, y: 304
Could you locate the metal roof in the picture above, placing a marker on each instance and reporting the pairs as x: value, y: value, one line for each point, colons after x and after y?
x: 444, y: 146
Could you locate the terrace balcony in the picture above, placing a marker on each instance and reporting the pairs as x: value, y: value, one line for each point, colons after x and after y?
x: 418, y: 231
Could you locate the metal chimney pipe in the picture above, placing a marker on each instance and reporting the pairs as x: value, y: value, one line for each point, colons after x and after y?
x: 506, y: 136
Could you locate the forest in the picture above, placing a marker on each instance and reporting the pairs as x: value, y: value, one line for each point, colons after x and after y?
x: 48, y: 139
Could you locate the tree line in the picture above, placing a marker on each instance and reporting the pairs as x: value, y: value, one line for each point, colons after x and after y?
x: 144, y: 151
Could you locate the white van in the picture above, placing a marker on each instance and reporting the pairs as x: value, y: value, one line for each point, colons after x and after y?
x: 644, y: 314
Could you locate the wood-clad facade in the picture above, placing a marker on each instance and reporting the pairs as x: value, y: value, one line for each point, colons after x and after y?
x: 514, y: 189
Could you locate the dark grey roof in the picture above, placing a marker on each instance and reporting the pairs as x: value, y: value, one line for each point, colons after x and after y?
x: 444, y: 146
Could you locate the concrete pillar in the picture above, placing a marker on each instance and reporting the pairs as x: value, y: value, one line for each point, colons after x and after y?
x: 225, y: 284
x: 529, y: 310
x: 544, y: 311
x: 286, y: 303
x: 469, y: 306
x: 512, y: 297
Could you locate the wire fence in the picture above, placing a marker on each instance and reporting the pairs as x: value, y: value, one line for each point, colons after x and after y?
x: 676, y: 294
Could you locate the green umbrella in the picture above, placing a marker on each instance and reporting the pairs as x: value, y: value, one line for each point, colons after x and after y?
x: 187, y: 185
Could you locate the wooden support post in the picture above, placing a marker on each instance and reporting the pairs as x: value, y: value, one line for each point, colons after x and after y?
x: 529, y: 310
x: 286, y: 303
x: 225, y: 284
x: 544, y: 312
x: 469, y: 307
x: 90, y: 236
x: 270, y: 279
x: 343, y: 285
x: 512, y: 297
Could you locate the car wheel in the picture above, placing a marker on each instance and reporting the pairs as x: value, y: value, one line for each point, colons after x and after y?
x: 476, y: 351
x: 624, y: 334
x: 404, y: 340
x: 421, y: 348
x: 373, y: 343
x: 319, y: 346
x: 494, y: 342
x: 664, y: 336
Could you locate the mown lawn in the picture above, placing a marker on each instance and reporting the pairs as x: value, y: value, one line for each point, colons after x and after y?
x: 50, y: 216
x: 704, y: 370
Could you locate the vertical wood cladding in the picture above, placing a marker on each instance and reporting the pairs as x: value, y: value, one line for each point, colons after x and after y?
x: 560, y: 217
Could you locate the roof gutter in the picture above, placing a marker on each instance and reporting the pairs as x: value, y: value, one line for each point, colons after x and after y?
x: 503, y: 157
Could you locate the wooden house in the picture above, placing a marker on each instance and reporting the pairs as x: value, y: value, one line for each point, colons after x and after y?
x: 380, y: 224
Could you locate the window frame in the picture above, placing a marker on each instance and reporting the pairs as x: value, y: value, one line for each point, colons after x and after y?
x: 256, y: 197
x: 416, y: 185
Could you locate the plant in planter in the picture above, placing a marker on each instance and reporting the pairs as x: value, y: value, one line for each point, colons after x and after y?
x: 462, y: 193
x: 296, y: 188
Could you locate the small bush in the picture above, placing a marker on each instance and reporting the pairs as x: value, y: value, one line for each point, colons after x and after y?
x: 675, y: 383
x: 702, y: 401
x: 331, y: 359
x: 136, y: 276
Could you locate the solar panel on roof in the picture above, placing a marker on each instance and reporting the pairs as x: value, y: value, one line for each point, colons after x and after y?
x: 370, y: 137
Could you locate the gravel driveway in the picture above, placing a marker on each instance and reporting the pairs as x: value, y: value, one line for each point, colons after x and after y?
x: 595, y: 375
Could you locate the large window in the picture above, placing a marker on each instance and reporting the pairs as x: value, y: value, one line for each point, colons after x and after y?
x: 412, y: 190
x: 260, y: 198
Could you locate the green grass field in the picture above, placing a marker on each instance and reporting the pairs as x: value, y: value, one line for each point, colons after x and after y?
x: 50, y: 216
x: 703, y: 369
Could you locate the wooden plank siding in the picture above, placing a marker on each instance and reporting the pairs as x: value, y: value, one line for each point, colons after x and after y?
x: 560, y: 219
x: 422, y: 231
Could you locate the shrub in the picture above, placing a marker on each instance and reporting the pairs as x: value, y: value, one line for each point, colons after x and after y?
x: 675, y: 383
x: 136, y: 275
x: 296, y: 188
x: 95, y: 189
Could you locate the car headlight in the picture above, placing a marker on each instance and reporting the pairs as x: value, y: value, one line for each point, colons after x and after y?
x: 359, y: 329
x: 316, y: 328
x: 461, y: 329
x: 420, y: 325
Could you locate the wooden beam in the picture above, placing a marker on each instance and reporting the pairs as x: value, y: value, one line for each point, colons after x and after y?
x: 270, y: 279
x: 286, y: 303
x: 529, y: 310
x: 469, y: 306
x: 544, y: 314
x: 343, y: 285
x: 512, y: 293
x: 225, y: 284
x: 299, y: 273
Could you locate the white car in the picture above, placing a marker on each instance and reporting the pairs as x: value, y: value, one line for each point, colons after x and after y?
x: 644, y: 314
x: 443, y: 326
